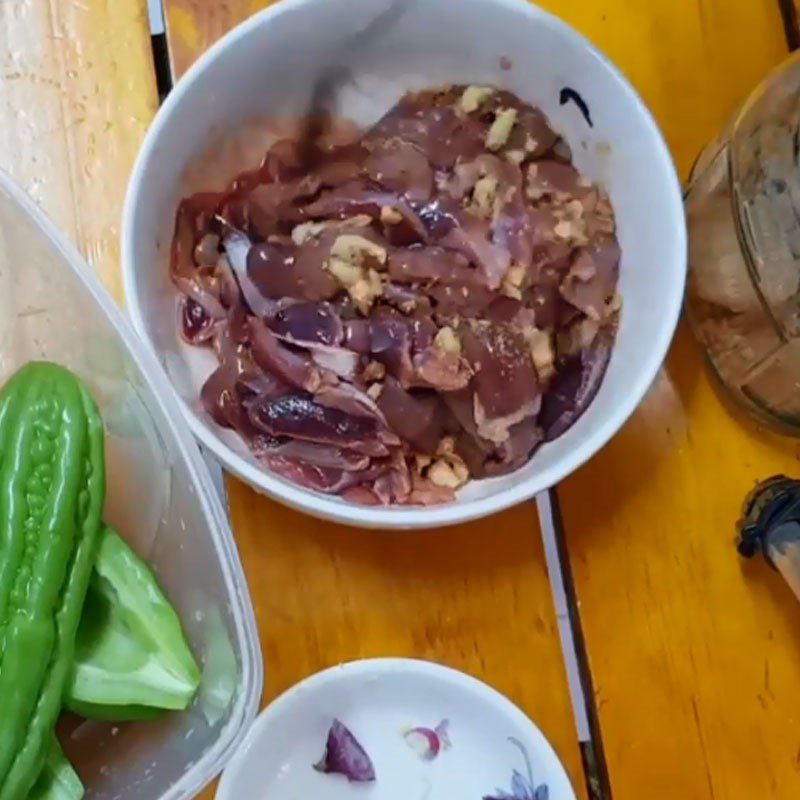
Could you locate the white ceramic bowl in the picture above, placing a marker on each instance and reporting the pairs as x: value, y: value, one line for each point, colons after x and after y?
x: 379, y: 700
x: 266, y: 67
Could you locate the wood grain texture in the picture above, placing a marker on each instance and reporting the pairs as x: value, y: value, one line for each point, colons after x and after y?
x: 194, y: 25
x: 476, y: 598
x: 695, y: 656
x: 76, y: 95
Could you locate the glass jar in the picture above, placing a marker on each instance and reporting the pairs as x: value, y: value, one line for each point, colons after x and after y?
x: 743, y: 211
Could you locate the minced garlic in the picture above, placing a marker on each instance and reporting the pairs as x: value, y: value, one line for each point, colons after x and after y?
x: 484, y: 197
x: 474, y: 97
x: 501, y: 128
x: 306, y: 231
x: 542, y: 352
x: 512, y: 281
x: 447, y: 339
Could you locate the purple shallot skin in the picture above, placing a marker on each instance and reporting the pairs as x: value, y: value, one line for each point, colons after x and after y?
x: 427, y: 743
x: 344, y: 755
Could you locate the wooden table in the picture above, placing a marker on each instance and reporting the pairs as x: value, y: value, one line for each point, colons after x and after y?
x: 692, y: 659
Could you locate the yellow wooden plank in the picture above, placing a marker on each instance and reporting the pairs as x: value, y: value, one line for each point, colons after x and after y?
x: 194, y: 25
x: 76, y: 95
x: 474, y: 597
x: 694, y: 655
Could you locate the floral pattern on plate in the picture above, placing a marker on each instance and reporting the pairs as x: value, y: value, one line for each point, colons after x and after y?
x: 523, y: 787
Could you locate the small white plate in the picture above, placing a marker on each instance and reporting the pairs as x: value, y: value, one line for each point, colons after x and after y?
x: 379, y: 700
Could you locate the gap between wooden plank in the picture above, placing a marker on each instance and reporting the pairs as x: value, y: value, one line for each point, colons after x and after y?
x: 573, y: 647
x: 791, y: 23
x: 155, y: 10
x: 165, y: 74
x: 165, y: 81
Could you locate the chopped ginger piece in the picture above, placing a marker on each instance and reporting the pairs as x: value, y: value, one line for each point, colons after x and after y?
x: 366, y: 291
x: 474, y: 97
x: 390, y: 216
x: 346, y: 273
x: 542, y: 352
x: 484, y: 196
x: 448, y: 473
x: 355, y: 249
x: 311, y: 230
x: 501, y: 128
x: 513, y: 280
x: 447, y: 339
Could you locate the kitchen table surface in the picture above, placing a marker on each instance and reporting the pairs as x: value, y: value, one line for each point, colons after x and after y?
x: 689, y: 660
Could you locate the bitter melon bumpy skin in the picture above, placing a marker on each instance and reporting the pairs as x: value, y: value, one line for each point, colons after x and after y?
x: 52, y: 489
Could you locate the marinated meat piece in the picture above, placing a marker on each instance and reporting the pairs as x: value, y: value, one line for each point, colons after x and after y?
x: 338, y: 360
x: 575, y: 385
x: 268, y: 205
x: 233, y: 267
x: 282, y: 163
x: 407, y: 299
x: 592, y: 278
x: 532, y: 137
x: 442, y: 370
x: 341, y: 165
x: 401, y: 168
x: 353, y: 401
x: 358, y: 335
x: 357, y: 197
x: 326, y: 456
x: 516, y: 451
x: 402, y: 313
x: 220, y: 399
x: 471, y: 237
x: 391, y: 340
x: 432, y: 265
x: 360, y: 495
x: 506, y: 384
x: 309, y: 322
x: 299, y: 416
x: 192, y: 223
x: 199, y: 323
x: 316, y: 328
x: 201, y: 309
x: 280, y: 270
x: 394, y: 484
x: 415, y: 417
x: 510, y: 311
x: 291, y: 366
x: 555, y: 179
x: 430, y: 122
x: 463, y: 300
x: 328, y: 480
x: 235, y: 380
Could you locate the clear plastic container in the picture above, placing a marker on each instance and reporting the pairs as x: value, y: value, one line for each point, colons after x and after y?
x: 160, y: 497
x: 743, y: 210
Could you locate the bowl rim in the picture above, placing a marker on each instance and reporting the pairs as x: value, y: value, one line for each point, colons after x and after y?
x: 334, y: 508
x: 367, y: 670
